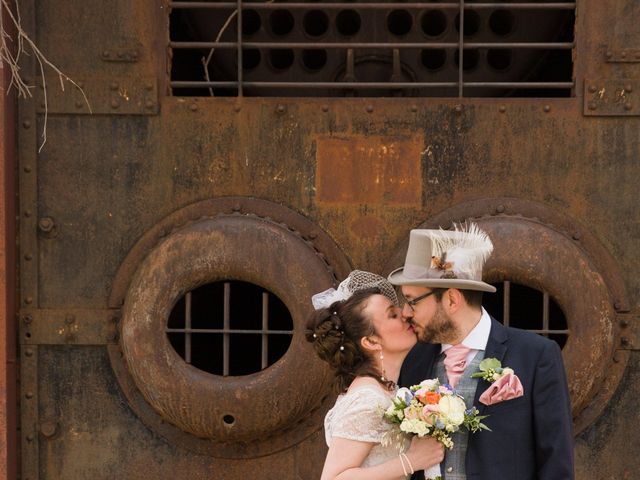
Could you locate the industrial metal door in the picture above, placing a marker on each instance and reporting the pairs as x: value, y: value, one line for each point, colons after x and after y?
x: 238, y: 157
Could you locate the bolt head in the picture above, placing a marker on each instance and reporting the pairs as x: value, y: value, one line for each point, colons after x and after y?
x: 547, y: 108
x: 281, y: 109
x: 628, y: 106
x: 46, y: 224
x: 27, y: 319
x: 593, y: 88
x: 458, y: 108
x: 502, y: 109
x: 369, y: 108
x: 592, y: 105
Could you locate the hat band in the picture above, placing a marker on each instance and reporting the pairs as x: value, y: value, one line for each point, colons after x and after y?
x: 420, y: 272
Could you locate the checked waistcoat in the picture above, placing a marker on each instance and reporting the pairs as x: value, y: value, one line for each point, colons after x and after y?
x: 453, y: 466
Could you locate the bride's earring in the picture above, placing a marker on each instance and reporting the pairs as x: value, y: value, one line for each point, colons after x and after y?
x: 382, y: 377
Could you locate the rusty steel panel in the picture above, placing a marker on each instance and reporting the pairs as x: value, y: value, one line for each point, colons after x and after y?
x: 108, y: 191
x: 607, y: 97
x: 361, y: 169
x: 103, y: 95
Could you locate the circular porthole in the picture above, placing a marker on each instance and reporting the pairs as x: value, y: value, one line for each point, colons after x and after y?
x: 213, y: 319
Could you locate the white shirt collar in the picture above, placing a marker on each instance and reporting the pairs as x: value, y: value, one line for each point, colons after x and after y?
x: 479, y: 336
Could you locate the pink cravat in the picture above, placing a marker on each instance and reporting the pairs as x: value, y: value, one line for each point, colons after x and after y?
x: 455, y: 362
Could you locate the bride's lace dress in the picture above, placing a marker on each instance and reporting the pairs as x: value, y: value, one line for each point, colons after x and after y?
x: 357, y: 415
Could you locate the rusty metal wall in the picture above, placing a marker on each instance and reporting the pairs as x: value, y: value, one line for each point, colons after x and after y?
x: 104, y: 184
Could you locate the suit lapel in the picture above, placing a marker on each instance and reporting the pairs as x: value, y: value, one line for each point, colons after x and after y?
x: 419, y: 364
x: 496, y: 348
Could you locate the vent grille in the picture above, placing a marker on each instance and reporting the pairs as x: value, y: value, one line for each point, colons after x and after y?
x: 374, y: 49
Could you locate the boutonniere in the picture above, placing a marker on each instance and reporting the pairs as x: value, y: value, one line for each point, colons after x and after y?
x: 491, y: 369
x: 505, y: 385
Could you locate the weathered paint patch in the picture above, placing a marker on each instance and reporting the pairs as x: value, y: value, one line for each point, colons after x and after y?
x: 369, y: 169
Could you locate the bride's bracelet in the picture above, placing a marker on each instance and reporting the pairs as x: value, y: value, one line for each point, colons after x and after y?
x: 404, y: 469
x: 408, y: 462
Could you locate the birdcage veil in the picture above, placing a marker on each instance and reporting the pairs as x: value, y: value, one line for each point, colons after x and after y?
x: 356, y: 281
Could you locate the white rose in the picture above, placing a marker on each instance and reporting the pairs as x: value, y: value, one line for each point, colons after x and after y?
x: 430, y: 384
x: 496, y: 376
x: 507, y: 371
x: 453, y: 408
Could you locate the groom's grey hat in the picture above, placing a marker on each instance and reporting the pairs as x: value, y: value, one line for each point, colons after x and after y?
x: 446, y: 259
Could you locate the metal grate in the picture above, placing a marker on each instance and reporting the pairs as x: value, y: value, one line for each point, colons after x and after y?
x: 230, y: 328
x: 275, y: 48
x: 527, y: 308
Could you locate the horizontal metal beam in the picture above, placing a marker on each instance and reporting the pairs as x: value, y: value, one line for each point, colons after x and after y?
x: 69, y: 326
x: 228, y: 330
x: 365, y: 85
x: 373, y: 6
x: 362, y: 45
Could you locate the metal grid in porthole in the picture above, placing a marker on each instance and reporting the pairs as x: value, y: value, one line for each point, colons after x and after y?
x: 416, y: 49
x: 523, y: 307
x: 230, y: 328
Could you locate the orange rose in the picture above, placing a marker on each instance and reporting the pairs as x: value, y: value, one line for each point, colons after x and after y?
x: 432, y: 398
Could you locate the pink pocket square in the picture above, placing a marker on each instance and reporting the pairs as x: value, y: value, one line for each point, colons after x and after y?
x: 506, y: 387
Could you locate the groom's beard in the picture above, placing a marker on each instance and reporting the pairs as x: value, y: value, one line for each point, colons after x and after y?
x: 440, y: 329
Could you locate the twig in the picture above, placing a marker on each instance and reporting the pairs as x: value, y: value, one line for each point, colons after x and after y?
x: 12, y: 61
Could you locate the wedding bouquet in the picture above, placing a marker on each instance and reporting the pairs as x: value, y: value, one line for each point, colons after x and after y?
x: 435, y: 410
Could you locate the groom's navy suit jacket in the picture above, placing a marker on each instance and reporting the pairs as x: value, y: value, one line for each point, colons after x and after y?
x: 530, y: 437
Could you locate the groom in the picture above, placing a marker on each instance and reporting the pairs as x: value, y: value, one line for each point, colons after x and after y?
x: 530, y: 418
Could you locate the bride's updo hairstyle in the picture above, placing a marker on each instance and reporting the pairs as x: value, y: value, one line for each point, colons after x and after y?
x: 336, y: 333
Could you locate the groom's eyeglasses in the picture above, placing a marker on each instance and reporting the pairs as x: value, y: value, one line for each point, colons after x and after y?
x: 413, y: 302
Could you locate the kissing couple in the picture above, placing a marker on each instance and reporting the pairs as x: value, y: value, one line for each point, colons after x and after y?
x: 433, y: 332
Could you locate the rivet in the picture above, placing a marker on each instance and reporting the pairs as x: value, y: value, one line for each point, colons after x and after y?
x: 27, y: 319
x: 623, y: 323
x: 46, y: 224
x: 618, y: 306
x: 30, y: 438
x: 106, y: 54
x: 26, y: 124
x: 281, y: 109
x: 623, y: 54
x: 27, y: 213
x: 28, y: 300
x: 628, y: 88
x: 547, y: 108
x: 193, y: 107
x: 27, y: 169
x: 115, y: 103
x: 236, y: 207
x: 624, y: 341
x: 628, y: 106
x: 369, y: 108
x: 237, y: 108
x: 134, y: 55
x: 28, y: 352
x: 502, y: 109
x: 615, y: 358
x: 576, y: 236
x: 70, y: 319
x: 48, y: 429
x: 28, y: 256
x: 500, y: 209
x: 79, y: 104
x: 609, y: 55
x: 325, y: 108
x: 593, y: 88
x: 414, y: 108
x: 120, y: 54
x: 592, y: 105
x: 458, y: 108
x: 114, y: 86
x: 313, y: 235
x: 29, y: 395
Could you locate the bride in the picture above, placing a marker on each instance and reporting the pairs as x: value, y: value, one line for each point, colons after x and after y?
x: 358, y: 330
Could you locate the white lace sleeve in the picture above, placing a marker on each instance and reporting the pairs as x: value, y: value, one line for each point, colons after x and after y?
x: 357, y: 415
